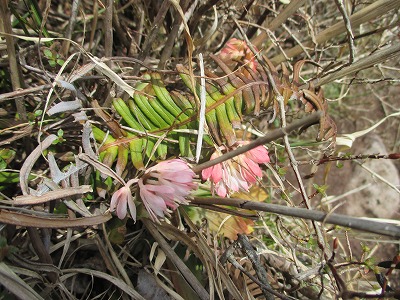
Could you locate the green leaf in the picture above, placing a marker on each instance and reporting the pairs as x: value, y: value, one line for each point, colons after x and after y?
x: 339, y: 164
x: 321, y: 189
x: 52, y: 63
x: 48, y: 53
x: 60, y: 132
x: 282, y: 171
x: 9, y: 177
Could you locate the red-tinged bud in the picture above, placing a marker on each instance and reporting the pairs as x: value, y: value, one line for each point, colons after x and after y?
x: 335, y: 243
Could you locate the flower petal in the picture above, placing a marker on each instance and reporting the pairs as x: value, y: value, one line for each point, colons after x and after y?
x: 151, y: 201
x: 221, y: 190
x: 121, y: 208
x: 163, y: 189
x: 132, y: 208
x: 258, y: 155
x: 216, y: 175
x: 206, y: 173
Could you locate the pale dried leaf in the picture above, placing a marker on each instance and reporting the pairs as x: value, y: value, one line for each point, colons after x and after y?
x: 30, y: 161
x: 52, y: 195
x: 160, y: 259
x: 64, y: 106
x: 15, y: 284
x: 114, y: 280
x: 347, y: 140
x: 202, y: 114
x: 25, y: 220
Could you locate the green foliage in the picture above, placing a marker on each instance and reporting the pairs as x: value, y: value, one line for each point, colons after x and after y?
x: 321, y: 189
x: 31, y: 19
x: 7, y: 177
x: 53, y: 58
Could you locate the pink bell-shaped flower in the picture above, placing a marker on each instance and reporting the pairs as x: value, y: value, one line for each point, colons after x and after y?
x: 249, y: 162
x: 165, y: 186
x: 122, y: 199
x: 238, y: 173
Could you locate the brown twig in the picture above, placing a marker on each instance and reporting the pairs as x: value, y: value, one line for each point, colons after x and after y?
x: 273, y: 135
x: 70, y: 28
x: 162, y: 11
x: 169, y: 44
x: 15, y: 72
x: 280, y: 19
x: 23, y: 92
x: 108, y: 30
x: 41, y: 251
x: 350, y: 36
x: 372, y: 11
x: 380, y: 228
x: 360, y: 156
x: 361, y: 64
x: 243, y: 240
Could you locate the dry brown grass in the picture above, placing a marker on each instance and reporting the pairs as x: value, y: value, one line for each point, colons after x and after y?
x: 58, y: 238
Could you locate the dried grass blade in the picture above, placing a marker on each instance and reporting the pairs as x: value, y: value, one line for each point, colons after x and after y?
x: 366, y: 62
x: 15, y: 284
x: 186, y: 273
x: 101, y: 167
x: 214, y: 261
x: 19, y: 219
x: 278, y: 20
x: 64, y: 106
x: 30, y: 161
x: 86, y: 134
x: 116, y: 281
x: 202, y: 113
x: 105, y: 70
x: 52, y: 195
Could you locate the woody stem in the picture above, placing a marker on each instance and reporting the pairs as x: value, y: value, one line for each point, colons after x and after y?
x: 273, y: 135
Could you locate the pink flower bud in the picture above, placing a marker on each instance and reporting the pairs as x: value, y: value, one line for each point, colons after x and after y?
x: 237, y: 50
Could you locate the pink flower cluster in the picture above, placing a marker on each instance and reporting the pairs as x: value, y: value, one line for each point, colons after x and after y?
x: 236, y: 174
x: 167, y: 185
x: 236, y: 50
x: 161, y: 188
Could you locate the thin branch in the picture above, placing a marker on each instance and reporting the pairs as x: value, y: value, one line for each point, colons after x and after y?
x: 152, y: 34
x: 272, y: 136
x: 15, y: 72
x: 243, y: 240
x: 108, y: 30
x: 70, y: 28
x: 276, y: 22
x: 350, y: 35
x: 361, y: 64
x: 372, y: 11
x: 363, y: 224
x: 23, y: 92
